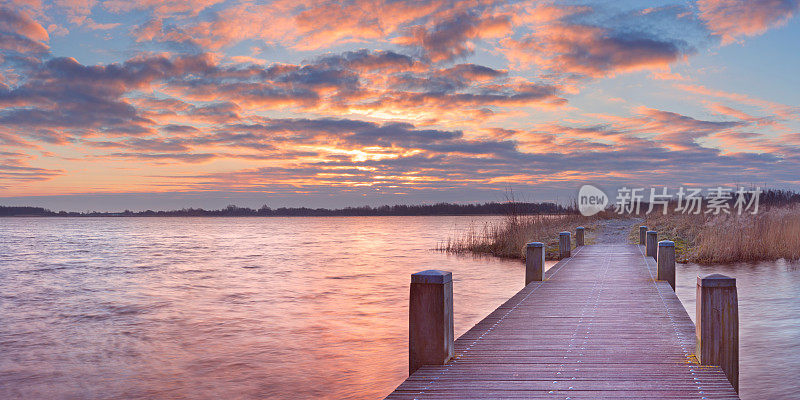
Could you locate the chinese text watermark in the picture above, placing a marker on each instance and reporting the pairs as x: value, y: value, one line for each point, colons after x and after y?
x: 683, y: 200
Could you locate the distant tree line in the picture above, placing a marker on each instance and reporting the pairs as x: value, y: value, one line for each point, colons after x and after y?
x: 494, y: 208
x: 768, y: 198
x: 779, y: 198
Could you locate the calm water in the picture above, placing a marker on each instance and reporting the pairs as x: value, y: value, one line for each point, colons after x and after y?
x: 769, y: 323
x: 278, y: 307
x: 230, y: 308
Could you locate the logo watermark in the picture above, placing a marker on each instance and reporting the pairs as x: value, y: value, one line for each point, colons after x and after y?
x: 591, y: 200
x: 684, y: 200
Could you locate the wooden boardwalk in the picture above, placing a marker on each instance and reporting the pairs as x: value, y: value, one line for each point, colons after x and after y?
x: 599, y: 326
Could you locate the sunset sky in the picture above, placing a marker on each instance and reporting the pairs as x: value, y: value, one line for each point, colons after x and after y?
x: 111, y: 104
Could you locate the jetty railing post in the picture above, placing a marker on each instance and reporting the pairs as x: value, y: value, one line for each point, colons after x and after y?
x: 579, y: 236
x: 666, y: 262
x: 564, y: 245
x: 651, y: 244
x: 717, y: 327
x: 642, y: 235
x: 534, y: 262
x: 430, y: 319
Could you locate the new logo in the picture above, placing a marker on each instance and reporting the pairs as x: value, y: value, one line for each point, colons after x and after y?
x: 591, y: 200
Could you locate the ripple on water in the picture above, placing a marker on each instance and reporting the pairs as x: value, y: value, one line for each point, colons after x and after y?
x: 272, y: 307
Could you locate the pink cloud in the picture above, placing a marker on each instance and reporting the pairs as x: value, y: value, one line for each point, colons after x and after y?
x: 159, y: 8
x: 20, y: 33
x: 667, y: 76
x: 741, y: 115
x: 591, y: 51
x: 22, y: 24
x: 307, y: 25
x: 450, y: 39
x: 733, y: 19
x: 15, y: 170
x: 781, y: 110
x: 77, y: 11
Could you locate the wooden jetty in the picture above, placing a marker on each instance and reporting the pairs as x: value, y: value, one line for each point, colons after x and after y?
x: 600, y: 325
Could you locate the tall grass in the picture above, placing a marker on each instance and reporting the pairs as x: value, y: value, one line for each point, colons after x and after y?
x: 507, y: 238
x: 771, y: 234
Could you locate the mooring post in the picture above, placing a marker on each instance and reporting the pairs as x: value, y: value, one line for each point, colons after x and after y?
x: 534, y: 262
x: 642, y: 235
x: 666, y: 262
x: 651, y: 244
x: 430, y: 319
x: 579, y: 236
x: 717, y: 327
x: 564, y: 245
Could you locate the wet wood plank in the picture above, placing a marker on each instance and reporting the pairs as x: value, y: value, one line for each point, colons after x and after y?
x: 598, y: 326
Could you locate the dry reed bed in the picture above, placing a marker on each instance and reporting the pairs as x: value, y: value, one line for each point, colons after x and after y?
x: 771, y: 234
x: 507, y: 238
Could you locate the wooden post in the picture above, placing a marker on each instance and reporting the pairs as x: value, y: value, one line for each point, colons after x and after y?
x: 651, y: 244
x: 564, y: 245
x: 579, y: 236
x: 717, y: 327
x: 642, y: 235
x: 666, y: 262
x: 430, y: 319
x: 534, y: 262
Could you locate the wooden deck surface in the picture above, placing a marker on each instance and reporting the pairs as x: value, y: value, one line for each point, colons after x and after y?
x: 599, y: 326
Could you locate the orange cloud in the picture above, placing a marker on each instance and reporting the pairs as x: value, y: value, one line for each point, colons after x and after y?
x: 450, y: 38
x: 591, y: 51
x: 20, y: 23
x: 733, y: 19
x: 781, y: 110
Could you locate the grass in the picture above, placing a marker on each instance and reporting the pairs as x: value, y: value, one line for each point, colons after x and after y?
x: 772, y: 234
x: 508, y: 238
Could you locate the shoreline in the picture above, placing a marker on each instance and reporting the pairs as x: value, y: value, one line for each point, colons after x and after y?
x: 267, y: 216
x: 700, y: 239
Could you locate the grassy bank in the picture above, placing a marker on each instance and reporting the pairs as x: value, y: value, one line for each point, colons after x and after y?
x: 772, y: 234
x: 507, y: 238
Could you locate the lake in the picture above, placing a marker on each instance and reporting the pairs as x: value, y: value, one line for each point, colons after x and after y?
x: 277, y: 307
x: 769, y: 323
x: 223, y: 307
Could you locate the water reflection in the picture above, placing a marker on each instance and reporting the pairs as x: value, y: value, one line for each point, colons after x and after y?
x: 769, y: 328
x: 215, y: 307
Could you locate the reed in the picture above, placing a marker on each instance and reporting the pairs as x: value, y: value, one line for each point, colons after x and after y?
x: 772, y: 234
x: 507, y: 238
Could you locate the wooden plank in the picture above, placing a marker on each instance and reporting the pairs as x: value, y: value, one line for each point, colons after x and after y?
x: 598, y: 326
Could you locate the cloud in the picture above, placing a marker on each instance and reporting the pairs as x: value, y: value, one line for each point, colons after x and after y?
x: 160, y: 157
x: 15, y: 170
x: 349, y: 153
x: 142, y: 144
x: 345, y: 133
x: 159, y: 7
x: 733, y: 19
x: 21, y: 34
x: 21, y: 44
x: 62, y: 93
x: 172, y: 128
x: 364, y: 82
x: 592, y: 51
x: 308, y: 25
x: 446, y: 80
x: 781, y: 110
x: 328, y: 97
x: 741, y: 115
x: 373, y: 61
x: 22, y: 25
x: 449, y: 39
x: 91, y: 24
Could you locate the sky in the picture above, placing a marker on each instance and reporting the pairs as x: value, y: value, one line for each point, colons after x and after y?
x: 112, y: 104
